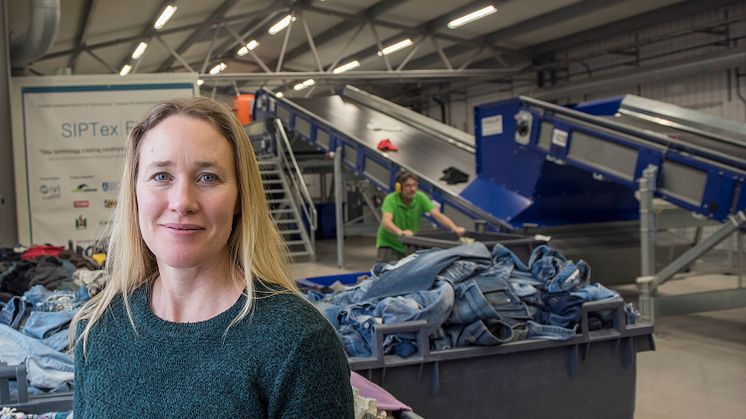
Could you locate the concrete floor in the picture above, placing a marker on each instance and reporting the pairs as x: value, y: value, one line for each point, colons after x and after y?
x: 697, y: 371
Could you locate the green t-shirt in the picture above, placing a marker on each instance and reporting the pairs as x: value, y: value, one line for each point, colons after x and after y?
x: 405, y: 217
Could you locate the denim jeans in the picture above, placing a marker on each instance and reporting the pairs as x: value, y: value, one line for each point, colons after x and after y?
x: 46, y: 300
x: 487, y: 297
x: 15, y: 310
x: 46, y: 368
x: 480, y: 333
x: 549, y: 332
x: 419, y: 271
x: 44, y: 324
x: 356, y: 323
x: 461, y: 270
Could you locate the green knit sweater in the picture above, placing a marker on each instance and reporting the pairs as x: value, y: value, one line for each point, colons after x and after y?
x: 283, y: 361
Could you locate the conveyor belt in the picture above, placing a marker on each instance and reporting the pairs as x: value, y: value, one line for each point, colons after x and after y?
x: 728, y: 152
x: 418, y: 152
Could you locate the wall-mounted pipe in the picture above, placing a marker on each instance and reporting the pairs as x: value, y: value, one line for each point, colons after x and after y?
x: 44, y: 22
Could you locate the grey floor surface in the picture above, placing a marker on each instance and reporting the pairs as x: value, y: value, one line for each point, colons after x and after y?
x: 697, y: 371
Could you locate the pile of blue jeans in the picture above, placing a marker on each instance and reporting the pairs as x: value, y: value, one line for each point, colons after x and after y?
x: 33, y: 331
x: 468, y: 296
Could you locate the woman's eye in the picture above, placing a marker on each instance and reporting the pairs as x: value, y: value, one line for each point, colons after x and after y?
x: 160, y: 177
x: 208, y: 178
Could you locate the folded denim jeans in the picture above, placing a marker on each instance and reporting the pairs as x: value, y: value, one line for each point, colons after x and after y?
x: 419, y: 271
x: 480, y: 333
x: 14, y: 312
x: 548, y: 332
x: 486, y: 297
x: 46, y: 368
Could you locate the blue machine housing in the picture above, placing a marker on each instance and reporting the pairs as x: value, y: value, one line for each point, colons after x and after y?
x: 526, y: 188
x: 536, y: 174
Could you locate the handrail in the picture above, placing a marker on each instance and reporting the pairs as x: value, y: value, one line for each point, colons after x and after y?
x: 300, y: 185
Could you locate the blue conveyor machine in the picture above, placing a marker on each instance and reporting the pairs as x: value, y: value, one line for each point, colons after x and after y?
x: 533, y: 163
x: 549, y: 165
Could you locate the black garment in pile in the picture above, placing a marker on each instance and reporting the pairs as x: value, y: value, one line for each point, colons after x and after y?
x: 15, y: 279
x: 453, y: 176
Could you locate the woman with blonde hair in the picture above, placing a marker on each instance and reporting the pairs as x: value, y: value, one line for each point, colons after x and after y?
x: 199, y: 316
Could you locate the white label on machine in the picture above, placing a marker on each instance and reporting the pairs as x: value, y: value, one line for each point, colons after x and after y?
x: 559, y: 137
x: 492, y: 125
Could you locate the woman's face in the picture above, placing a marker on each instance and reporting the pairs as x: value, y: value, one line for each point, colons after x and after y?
x: 186, y: 192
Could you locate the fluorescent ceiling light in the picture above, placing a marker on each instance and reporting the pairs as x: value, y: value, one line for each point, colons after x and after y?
x: 165, y: 16
x: 396, y: 47
x: 347, y: 67
x: 140, y: 50
x: 125, y: 70
x: 282, y: 24
x: 200, y: 82
x: 218, y: 68
x: 305, y: 84
x: 463, y: 20
x: 280, y: 94
x: 249, y: 47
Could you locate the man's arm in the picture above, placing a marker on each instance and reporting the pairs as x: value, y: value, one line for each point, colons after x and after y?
x: 444, y: 220
x: 387, y: 222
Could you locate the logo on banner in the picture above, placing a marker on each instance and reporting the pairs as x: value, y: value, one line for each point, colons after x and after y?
x: 81, y: 223
x: 110, y: 203
x: 81, y: 204
x: 50, y: 191
x: 110, y: 186
x: 83, y: 187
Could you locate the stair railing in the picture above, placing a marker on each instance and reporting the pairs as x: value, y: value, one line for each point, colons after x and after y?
x: 296, y: 179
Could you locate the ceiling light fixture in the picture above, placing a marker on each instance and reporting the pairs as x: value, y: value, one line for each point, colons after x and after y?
x: 249, y: 47
x: 140, y: 50
x: 305, y: 84
x: 218, y: 68
x: 165, y: 16
x: 347, y: 67
x: 463, y: 20
x: 125, y: 70
x: 282, y: 24
x: 280, y: 94
x: 200, y: 82
x: 396, y: 47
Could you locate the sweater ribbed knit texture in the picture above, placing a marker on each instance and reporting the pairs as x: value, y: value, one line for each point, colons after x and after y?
x: 282, y: 361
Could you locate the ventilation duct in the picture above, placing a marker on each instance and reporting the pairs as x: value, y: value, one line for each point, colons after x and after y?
x: 44, y: 21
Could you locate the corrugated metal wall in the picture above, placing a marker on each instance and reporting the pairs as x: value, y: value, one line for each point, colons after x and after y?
x: 715, y: 93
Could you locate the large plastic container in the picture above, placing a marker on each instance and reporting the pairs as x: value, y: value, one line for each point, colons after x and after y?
x: 592, y: 376
x: 52, y: 402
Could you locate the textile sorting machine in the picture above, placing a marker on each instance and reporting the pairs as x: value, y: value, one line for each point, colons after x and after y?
x: 585, y: 174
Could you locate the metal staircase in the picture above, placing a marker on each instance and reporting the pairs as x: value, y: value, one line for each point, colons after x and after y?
x: 289, y: 201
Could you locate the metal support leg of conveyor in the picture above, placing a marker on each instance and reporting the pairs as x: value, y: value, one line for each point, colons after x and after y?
x: 338, y: 206
x: 647, y: 220
x: 647, y: 243
x: 651, y: 304
x: 369, y: 202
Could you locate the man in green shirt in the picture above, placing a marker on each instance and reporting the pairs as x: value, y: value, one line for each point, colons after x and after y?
x: 402, y: 211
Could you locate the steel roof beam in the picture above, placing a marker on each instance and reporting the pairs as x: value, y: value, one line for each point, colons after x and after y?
x: 215, y: 16
x: 87, y: 16
x: 370, y: 13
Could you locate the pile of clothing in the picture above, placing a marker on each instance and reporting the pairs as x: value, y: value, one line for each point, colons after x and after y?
x: 41, y: 290
x: 468, y: 295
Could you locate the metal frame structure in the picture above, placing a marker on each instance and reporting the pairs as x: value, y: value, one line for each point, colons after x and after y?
x: 507, y: 64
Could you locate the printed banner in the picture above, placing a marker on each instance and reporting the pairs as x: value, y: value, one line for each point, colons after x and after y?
x: 74, y: 148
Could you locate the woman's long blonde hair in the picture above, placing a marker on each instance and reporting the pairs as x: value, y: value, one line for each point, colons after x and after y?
x: 256, y: 248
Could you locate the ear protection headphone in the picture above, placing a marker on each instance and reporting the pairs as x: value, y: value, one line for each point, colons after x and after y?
x: 399, y: 176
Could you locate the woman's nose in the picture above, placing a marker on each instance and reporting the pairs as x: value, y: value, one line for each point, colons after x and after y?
x: 183, y: 198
